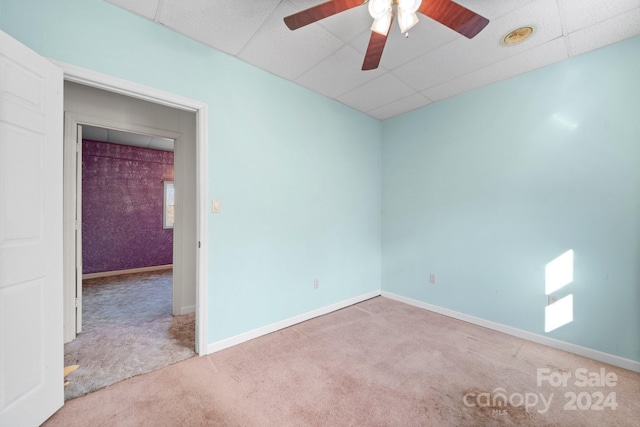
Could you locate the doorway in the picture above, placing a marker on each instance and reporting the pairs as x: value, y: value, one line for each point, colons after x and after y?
x: 91, y: 109
x: 99, y: 108
x: 122, y: 212
x: 197, y: 156
x: 144, y: 104
x: 33, y: 353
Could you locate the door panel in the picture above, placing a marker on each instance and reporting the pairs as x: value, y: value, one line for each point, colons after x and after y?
x: 31, y: 350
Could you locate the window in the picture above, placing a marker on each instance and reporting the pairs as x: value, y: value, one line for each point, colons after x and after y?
x: 168, y: 205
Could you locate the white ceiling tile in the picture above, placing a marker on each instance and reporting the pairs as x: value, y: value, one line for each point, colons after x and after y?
x: 435, y: 67
x: 326, y: 56
x: 113, y: 136
x: 126, y: 138
x: 400, y: 106
x: 604, y: 33
x: 463, y: 55
x: 163, y: 144
x: 538, y: 57
x: 344, y: 25
x: 94, y: 133
x: 350, y: 24
x: 376, y: 93
x: 338, y: 73
x: 225, y: 24
x: 289, y: 53
x: 146, y: 8
x: 305, y: 4
x: 492, y: 9
x: 577, y: 14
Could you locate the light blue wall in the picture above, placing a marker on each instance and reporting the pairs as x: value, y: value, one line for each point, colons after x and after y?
x: 486, y: 188
x: 298, y: 174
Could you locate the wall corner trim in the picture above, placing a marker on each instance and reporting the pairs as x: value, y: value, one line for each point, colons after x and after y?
x: 276, y: 326
x: 590, y: 353
x: 187, y: 310
x: 127, y: 271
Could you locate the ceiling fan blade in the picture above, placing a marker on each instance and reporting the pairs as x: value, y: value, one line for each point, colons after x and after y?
x: 375, y: 49
x: 321, y: 11
x: 454, y: 16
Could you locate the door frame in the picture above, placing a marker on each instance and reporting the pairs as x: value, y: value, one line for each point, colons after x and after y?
x: 105, y: 82
x: 73, y: 158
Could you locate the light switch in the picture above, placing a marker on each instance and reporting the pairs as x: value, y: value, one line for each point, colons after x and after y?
x: 216, y: 206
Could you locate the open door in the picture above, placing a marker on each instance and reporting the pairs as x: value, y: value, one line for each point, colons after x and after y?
x: 78, y: 227
x: 31, y: 131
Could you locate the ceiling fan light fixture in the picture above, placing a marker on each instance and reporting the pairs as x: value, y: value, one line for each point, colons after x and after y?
x: 379, y: 8
x: 381, y: 25
x: 382, y: 12
x: 447, y: 12
x: 406, y: 21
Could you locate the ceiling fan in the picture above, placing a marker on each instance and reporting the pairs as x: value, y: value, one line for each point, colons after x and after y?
x: 446, y: 12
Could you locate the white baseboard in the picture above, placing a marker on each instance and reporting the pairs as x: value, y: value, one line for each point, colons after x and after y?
x: 129, y: 271
x: 187, y: 310
x: 237, y: 339
x: 600, y: 356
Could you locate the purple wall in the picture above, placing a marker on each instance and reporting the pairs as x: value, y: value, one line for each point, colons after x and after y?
x: 122, y: 193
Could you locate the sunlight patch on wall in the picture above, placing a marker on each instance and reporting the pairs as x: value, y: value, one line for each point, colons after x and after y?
x: 564, y: 121
x: 558, y: 274
x: 558, y: 314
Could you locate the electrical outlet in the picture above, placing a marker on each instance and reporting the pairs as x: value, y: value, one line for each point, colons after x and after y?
x: 316, y: 284
x: 551, y: 299
x: 432, y: 278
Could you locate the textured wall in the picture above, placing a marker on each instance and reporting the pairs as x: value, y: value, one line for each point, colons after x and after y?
x: 122, y: 207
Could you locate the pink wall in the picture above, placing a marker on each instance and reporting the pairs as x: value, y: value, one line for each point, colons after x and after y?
x: 122, y: 191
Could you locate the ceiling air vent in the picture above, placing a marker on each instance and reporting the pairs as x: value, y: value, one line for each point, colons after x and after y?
x: 518, y: 35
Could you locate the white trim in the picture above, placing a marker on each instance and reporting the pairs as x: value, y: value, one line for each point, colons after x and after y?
x: 187, y: 310
x: 86, y: 77
x: 127, y: 271
x: 102, y: 81
x: 600, y: 356
x: 202, y: 258
x: 69, y: 255
x: 238, y: 339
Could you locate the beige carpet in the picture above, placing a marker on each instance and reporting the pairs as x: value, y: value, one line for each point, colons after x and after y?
x: 128, y: 330
x: 378, y: 363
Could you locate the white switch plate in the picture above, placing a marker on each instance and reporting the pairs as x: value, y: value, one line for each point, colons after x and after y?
x: 216, y: 206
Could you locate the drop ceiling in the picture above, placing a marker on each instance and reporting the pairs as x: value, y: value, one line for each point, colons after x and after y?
x: 432, y: 64
x: 114, y: 136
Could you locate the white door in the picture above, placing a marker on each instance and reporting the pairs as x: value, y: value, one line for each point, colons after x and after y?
x: 31, y: 349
